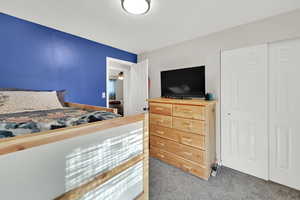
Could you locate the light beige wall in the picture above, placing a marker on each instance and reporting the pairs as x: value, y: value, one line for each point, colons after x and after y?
x: 206, y: 51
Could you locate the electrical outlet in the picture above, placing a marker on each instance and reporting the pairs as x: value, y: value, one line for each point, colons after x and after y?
x: 103, y: 95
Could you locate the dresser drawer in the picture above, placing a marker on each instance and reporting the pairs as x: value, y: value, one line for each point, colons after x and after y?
x: 160, y: 108
x: 190, y: 139
x: 189, y: 125
x: 164, y: 132
x: 161, y: 120
x: 181, y: 150
x: 183, y: 164
x: 190, y: 112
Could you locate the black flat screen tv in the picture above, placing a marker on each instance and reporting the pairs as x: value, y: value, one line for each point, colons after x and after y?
x: 183, y: 83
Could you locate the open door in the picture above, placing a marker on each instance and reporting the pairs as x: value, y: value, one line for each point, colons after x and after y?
x: 138, y: 83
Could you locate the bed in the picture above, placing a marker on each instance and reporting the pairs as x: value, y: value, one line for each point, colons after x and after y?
x: 73, y: 152
x: 23, y: 123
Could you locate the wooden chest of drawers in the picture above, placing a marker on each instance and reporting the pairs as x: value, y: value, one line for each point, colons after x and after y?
x: 182, y: 134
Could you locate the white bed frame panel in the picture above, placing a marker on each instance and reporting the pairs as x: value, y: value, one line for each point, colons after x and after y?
x: 40, y: 172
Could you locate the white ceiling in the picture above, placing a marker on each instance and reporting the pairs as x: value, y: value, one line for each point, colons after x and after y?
x: 169, y: 21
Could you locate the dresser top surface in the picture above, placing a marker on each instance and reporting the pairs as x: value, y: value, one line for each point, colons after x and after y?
x: 196, y: 102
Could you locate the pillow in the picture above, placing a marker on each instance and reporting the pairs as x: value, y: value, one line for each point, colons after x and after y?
x: 60, y: 93
x: 22, y: 101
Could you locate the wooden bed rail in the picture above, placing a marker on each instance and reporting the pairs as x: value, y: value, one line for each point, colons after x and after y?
x: 89, y: 107
x: 20, y: 143
x: 99, y: 180
x: 12, y: 147
x: 9, y: 146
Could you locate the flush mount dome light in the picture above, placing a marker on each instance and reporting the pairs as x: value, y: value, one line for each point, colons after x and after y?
x: 121, y: 76
x: 136, y: 7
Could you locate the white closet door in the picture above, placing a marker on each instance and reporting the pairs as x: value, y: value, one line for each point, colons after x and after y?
x: 284, y: 113
x: 244, y: 110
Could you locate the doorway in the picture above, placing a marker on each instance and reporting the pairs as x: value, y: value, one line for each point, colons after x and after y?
x: 117, y: 86
x: 115, y: 90
x: 134, y: 77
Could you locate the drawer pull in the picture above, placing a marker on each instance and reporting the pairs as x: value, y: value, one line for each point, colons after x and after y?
x: 187, y: 124
x: 188, y: 153
x: 187, y: 167
x: 161, y: 144
x: 183, y: 110
x: 162, y: 156
x: 187, y: 140
x: 158, y: 108
x: 160, y: 132
x: 187, y: 111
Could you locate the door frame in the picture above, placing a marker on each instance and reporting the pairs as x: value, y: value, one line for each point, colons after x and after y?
x: 126, y: 69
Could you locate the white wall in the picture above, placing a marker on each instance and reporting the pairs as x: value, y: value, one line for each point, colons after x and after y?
x: 118, y: 66
x: 206, y: 51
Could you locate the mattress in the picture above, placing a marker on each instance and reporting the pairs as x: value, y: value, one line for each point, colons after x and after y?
x: 15, y: 124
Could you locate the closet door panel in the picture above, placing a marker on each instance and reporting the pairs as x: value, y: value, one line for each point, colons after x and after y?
x: 244, y: 110
x: 284, y: 112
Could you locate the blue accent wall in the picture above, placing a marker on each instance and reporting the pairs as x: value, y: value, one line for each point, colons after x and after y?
x: 37, y: 57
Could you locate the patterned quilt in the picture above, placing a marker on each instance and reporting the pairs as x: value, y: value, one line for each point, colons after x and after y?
x: 15, y: 124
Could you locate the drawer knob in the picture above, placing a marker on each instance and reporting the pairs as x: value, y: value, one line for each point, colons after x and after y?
x: 160, y: 132
x: 189, y: 125
x: 187, y: 167
x: 161, y: 144
x: 162, y: 156
x: 187, y: 139
x: 158, y: 108
x: 188, y: 153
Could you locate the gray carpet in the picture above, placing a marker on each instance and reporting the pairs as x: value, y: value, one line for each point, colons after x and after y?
x: 170, y: 183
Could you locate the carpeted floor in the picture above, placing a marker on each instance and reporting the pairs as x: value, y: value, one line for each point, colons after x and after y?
x: 170, y: 183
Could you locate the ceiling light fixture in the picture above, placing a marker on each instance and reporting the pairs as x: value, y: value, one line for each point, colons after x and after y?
x: 136, y: 7
x: 121, y: 76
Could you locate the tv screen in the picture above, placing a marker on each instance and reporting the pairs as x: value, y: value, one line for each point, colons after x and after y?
x: 183, y: 83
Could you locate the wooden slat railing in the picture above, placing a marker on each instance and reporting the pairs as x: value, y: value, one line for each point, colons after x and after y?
x: 98, y: 180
